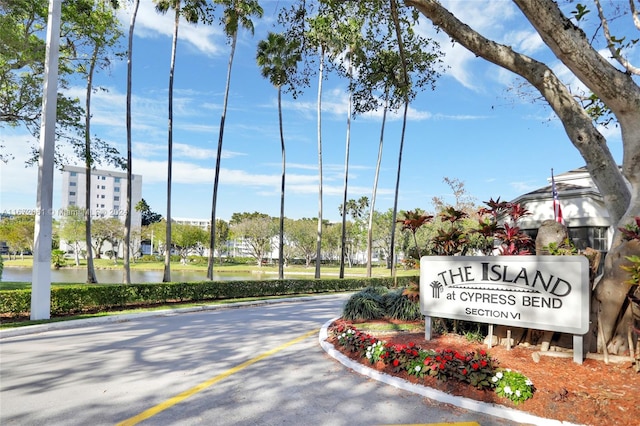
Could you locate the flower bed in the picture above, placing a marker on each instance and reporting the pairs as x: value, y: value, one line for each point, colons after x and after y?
x: 475, y: 368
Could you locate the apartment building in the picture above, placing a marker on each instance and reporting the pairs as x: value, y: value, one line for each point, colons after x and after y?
x: 108, y: 192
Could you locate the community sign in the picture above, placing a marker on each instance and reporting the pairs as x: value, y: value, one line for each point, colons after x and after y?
x: 539, y: 292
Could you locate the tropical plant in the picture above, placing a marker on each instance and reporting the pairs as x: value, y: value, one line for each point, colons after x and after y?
x: 412, y: 221
x: 57, y: 258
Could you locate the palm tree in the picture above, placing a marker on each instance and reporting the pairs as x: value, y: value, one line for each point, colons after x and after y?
x: 237, y: 12
x: 127, y: 221
x: 278, y: 59
x: 193, y: 12
x: 320, y: 35
x: 98, y: 28
x: 351, y: 34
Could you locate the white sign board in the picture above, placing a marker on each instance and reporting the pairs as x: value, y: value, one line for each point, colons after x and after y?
x: 539, y: 292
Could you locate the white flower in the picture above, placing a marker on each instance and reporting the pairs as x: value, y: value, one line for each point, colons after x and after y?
x: 368, y: 355
x: 417, y: 368
x: 528, y: 382
x: 499, y: 374
x: 507, y: 390
x: 518, y: 393
x: 494, y: 379
x: 344, y: 335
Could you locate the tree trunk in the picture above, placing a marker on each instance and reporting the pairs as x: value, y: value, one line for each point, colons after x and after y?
x: 343, y: 237
x: 126, y: 277
x: 319, y: 231
x: 282, y: 186
x: 375, y: 191
x: 167, y: 256
x: 88, y: 162
x: 216, y: 178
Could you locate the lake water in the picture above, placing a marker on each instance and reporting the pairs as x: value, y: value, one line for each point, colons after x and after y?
x: 137, y: 276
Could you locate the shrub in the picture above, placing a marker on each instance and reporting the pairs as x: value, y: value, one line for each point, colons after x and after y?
x: 400, y: 307
x: 366, y: 305
x: 73, y: 299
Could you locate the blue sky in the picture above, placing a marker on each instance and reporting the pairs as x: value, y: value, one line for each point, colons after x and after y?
x: 473, y: 127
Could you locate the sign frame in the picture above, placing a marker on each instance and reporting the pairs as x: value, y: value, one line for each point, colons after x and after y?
x: 539, y: 292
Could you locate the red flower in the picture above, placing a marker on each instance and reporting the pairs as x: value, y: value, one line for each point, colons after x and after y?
x: 464, y: 372
x: 483, y: 363
x: 483, y: 352
x: 411, y: 344
x: 396, y: 362
x: 475, y: 366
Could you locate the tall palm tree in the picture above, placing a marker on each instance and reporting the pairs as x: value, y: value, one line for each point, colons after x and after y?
x: 193, y: 12
x: 350, y: 32
x: 127, y: 221
x: 278, y: 59
x: 320, y: 37
x: 98, y: 30
x: 237, y: 12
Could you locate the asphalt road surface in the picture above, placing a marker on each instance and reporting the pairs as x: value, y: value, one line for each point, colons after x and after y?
x: 253, y: 365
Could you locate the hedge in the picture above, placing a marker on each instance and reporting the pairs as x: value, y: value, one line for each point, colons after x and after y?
x: 75, y: 299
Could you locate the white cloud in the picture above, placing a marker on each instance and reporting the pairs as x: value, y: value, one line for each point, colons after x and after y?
x: 207, y: 39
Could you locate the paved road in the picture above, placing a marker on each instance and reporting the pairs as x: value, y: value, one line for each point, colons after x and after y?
x: 259, y: 365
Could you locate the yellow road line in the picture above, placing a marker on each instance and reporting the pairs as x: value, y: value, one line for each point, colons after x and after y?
x: 204, y: 385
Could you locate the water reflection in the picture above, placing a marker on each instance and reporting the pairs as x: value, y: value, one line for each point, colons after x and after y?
x: 115, y: 276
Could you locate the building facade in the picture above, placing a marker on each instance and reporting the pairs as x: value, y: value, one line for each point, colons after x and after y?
x: 108, y: 193
x: 583, y: 210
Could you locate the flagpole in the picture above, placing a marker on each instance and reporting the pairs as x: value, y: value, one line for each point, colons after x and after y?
x: 553, y: 191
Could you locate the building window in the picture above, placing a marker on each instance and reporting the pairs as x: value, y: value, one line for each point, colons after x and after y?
x: 72, y: 184
x: 73, y: 173
x: 116, y: 189
x: 116, y: 180
x: 72, y: 193
x: 97, y: 186
x: 102, y: 187
x: 72, y: 203
x: 115, y: 209
x: 116, y: 198
x: 600, y: 240
x: 102, y: 206
x: 103, y: 177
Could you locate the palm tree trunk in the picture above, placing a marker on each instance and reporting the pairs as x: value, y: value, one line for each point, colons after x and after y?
x: 395, y: 198
x: 375, y: 188
x: 346, y: 180
x: 88, y: 161
x: 167, y: 255
x: 126, y: 278
x: 216, y: 179
x: 281, y: 235
x: 319, y: 233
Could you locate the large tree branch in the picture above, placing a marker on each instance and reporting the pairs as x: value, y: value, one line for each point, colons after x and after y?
x: 615, y: 53
x: 569, y: 43
x: 615, y: 88
x: 577, y: 124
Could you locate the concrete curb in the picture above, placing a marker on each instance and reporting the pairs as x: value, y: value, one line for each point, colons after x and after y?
x: 433, y: 394
x: 65, y: 325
